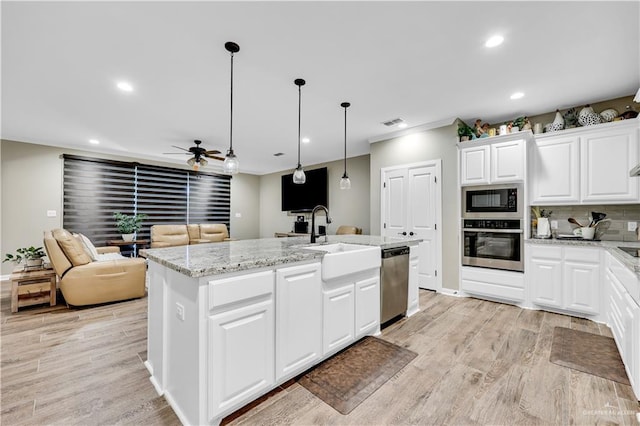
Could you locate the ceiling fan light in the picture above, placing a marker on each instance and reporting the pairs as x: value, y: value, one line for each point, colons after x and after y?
x: 298, y: 176
x: 191, y: 161
x: 231, y: 163
x: 203, y: 162
x: 345, y: 182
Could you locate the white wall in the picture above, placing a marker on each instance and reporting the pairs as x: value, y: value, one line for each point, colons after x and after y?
x: 346, y: 207
x: 422, y: 146
x: 32, y: 184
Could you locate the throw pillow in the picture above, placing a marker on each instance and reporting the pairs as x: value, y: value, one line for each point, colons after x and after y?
x: 89, y: 247
x: 71, y: 247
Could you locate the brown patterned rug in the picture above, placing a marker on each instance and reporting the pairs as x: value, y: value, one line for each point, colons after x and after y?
x: 348, y: 378
x: 589, y: 353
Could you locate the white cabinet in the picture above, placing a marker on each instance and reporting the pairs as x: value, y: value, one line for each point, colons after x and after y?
x: 623, y: 316
x: 566, y: 278
x: 413, y: 293
x: 298, y: 319
x: 507, y: 161
x: 367, y: 306
x: 339, y: 318
x: 555, y: 171
x: 493, y: 283
x: 483, y: 162
x: 588, y: 165
x: 241, y: 340
x: 474, y: 165
x: 606, y: 158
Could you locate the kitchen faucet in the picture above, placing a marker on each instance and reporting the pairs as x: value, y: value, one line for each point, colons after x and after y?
x: 313, y: 222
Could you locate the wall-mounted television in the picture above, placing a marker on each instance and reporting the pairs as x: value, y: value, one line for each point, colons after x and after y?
x: 303, y: 198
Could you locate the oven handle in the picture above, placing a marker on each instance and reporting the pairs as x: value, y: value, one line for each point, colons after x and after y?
x: 500, y: 231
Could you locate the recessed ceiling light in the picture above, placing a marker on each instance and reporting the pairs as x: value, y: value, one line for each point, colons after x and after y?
x: 306, y: 140
x: 494, y: 41
x: 402, y: 125
x: 278, y: 154
x: 517, y: 95
x: 125, y: 87
x: 94, y: 141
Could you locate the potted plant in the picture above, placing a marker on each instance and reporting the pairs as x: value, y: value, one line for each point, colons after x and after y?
x: 31, y: 255
x: 128, y: 225
x: 465, y: 132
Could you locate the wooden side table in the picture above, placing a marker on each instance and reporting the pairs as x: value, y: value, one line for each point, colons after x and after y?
x: 136, y: 244
x: 32, y: 288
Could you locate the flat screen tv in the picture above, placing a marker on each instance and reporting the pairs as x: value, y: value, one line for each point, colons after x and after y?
x: 302, y: 198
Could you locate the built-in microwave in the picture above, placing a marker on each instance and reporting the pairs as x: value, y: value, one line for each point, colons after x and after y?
x: 493, y: 201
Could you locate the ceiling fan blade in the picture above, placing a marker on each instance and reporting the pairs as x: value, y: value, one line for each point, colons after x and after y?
x: 180, y: 148
x: 177, y: 153
x: 212, y: 151
x: 215, y: 157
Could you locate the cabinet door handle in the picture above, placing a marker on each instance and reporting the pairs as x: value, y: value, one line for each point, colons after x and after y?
x: 402, y: 233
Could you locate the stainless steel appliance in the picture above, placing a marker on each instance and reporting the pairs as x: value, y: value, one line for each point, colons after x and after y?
x: 394, y: 283
x: 493, y: 201
x: 493, y: 243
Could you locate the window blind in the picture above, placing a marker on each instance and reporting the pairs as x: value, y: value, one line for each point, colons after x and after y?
x: 94, y: 189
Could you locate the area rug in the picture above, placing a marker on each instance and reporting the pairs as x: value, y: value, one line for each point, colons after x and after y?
x: 351, y: 376
x: 589, y: 353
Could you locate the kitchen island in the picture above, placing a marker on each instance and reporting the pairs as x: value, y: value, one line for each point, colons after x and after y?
x: 227, y: 322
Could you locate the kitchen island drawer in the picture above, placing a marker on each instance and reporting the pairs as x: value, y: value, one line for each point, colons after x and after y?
x: 228, y: 291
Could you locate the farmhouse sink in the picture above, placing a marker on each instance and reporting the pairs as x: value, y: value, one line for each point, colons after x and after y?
x: 343, y: 259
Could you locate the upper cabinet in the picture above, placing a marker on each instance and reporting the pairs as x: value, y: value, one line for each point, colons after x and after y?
x: 496, y: 160
x: 586, y: 165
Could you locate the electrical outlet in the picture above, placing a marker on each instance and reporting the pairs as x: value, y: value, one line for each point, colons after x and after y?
x: 554, y: 224
x: 632, y: 226
x: 51, y: 213
x: 238, y: 214
x: 180, y: 311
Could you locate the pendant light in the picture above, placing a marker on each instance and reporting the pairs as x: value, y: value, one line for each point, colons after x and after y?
x: 345, y: 182
x: 298, y: 175
x: 231, y: 163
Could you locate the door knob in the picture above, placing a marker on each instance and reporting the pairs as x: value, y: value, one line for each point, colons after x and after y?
x: 411, y: 233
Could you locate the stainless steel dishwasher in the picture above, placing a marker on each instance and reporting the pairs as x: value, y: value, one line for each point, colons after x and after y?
x: 394, y: 283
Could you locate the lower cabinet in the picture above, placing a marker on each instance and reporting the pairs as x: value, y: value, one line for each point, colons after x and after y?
x: 623, y: 316
x: 413, y: 293
x: 493, y: 283
x: 298, y: 319
x: 241, y: 340
x: 566, y: 278
x: 351, y: 309
x: 339, y: 318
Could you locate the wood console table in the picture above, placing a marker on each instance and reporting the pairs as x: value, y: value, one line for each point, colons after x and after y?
x: 32, y: 287
x: 136, y: 244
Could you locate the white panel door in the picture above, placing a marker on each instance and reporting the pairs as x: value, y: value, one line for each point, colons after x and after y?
x: 395, y: 203
x: 422, y: 221
x: 607, y: 157
x: 298, y: 318
x: 411, y: 206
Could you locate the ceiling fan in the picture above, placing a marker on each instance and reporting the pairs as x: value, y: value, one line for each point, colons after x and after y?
x: 198, y: 155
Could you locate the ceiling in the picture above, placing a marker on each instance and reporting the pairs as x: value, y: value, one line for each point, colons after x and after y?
x: 422, y: 61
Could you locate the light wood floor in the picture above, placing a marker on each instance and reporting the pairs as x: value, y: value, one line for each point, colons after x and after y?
x: 479, y: 363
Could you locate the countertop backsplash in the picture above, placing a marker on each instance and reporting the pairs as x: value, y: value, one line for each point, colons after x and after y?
x: 619, y: 214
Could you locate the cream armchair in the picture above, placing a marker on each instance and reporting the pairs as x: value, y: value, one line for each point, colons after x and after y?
x: 182, y: 235
x: 84, y: 281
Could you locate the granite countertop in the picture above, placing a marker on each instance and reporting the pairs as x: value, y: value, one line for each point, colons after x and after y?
x: 633, y: 263
x: 201, y: 260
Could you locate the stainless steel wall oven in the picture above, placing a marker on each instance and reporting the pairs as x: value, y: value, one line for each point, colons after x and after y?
x: 493, y: 243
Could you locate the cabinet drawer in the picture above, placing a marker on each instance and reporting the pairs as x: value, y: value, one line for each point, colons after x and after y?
x: 545, y: 252
x: 582, y: 254
x: 235, y: 289
x: 628, y: 279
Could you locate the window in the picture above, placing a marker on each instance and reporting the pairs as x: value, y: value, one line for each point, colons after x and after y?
x: 95, y: 188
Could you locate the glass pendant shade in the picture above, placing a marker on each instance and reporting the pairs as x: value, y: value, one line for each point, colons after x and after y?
x: 231, y: 163
x: 203, y: 162
x: 298, y: 175
x: 345, y: 182
x: 191, y: 161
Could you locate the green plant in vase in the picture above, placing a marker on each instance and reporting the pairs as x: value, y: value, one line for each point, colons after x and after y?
x: 32, y: 256
x: 128, y: 225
